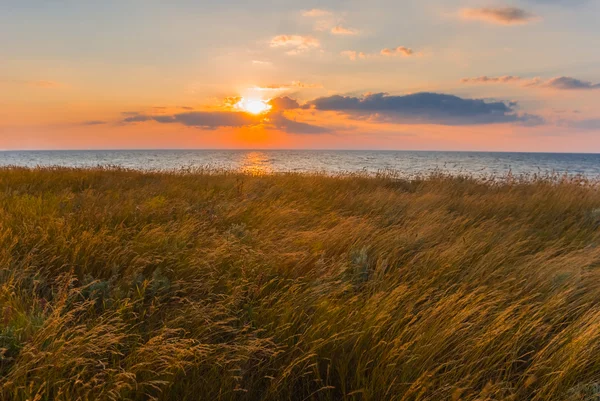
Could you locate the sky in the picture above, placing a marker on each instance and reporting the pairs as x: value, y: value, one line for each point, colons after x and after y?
x: 494, y: 75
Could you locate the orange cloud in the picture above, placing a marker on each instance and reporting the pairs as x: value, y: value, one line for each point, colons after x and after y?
x: 400, y: 50
x: 231, y: 101
x: 490, y: 80
x: 340, y: 30
x: 292, y: 85
x: 262, y: 63
x: 501, y: 15
x: 298, y: 84
x: 298, y: 43
x: 353, y: 55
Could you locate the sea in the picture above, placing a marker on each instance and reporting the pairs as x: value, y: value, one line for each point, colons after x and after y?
x: 405, y: 163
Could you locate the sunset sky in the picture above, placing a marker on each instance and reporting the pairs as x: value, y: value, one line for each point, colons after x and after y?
x: 500, y: 75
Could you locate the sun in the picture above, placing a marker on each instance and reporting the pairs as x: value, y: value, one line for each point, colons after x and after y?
x: 253, y: 106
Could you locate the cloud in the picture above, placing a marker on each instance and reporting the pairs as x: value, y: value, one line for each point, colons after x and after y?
x: 340, y: 30
x: 400, y: 50
x: 136, y: 118
x: 232, y: 101
x: 425, y: 108
x: 397, y: 51
x: 568, y: 83
x: 214, y: 119
x: 325, y: 20
x: 262, y: 63
x: 297, y: 43
x: 485, y: 79
x: 284, y: 103
x: 292, y: 85
x: 353, y: 55
x: 299, y: 84
x: 417, y: 108
x: 559, y: 83
x: 211, y: 120
x: 94, y: 122
x: 316, y: 12
x: 501, y: 15
x: 283, y: 123
x: 200, y: 119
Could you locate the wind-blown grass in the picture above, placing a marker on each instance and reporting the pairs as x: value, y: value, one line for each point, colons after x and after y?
x: 118, y: 284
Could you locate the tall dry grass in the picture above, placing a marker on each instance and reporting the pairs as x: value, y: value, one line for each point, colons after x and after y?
x: 121, y: 285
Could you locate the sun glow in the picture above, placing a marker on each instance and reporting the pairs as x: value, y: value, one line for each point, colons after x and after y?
x: 253, y: 106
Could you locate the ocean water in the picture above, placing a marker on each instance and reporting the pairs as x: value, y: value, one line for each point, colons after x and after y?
x: 408, y: 163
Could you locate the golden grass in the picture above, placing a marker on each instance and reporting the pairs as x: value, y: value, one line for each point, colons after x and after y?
x: 118, y: 284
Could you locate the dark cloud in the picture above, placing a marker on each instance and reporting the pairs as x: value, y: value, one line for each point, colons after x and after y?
x: 164, y: 119
x: 570, y: 84
x: 425, y: 108
x: 294, y: 127
x: 284, y: 103
x: 560, y: 83
x: 500, y: 15
x: 130, y: 113
x: 218, y: 119
x: 94, y: 122
x: 137, y: 118
x: 215, y: 119
x: 202, y: 119
x: 531, y: 120
x: 418, y: 108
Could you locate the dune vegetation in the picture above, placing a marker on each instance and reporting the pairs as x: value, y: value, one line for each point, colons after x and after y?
x: 204, y: 285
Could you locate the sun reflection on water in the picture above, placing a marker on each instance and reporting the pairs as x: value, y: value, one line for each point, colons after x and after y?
x: 256, y: 163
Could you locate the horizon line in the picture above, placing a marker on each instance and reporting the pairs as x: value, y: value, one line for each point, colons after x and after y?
x: 292, y: 150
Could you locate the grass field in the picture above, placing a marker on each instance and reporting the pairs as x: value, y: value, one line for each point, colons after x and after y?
x: 125, y: 285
